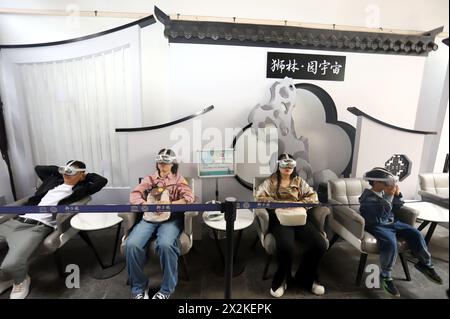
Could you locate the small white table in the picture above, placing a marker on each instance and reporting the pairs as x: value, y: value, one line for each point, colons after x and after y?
x: 85, y: 222
x: 216, y: 221
x: 429, y: 213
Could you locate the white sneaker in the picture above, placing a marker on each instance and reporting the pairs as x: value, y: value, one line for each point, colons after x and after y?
x: 160, y: 295
x: 317, y: 289
x: 279, y: 292
x: 5, y: 285
x: 20, y: 291
x: 142, y: 295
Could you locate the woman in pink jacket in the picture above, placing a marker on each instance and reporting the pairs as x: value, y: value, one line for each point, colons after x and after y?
x: 165, y: 186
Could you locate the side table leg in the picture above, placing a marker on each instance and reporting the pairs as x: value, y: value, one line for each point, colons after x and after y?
x: 236, y: 246
x: 216, y: 239
x: 423, y: 225
x: 87, y: 239
x: 116, y: 243
x: 238, y: 266
x: 105, y: 271
x: 430, y: 232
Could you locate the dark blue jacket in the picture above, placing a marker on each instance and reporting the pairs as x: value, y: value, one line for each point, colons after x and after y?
x: 378, y: 210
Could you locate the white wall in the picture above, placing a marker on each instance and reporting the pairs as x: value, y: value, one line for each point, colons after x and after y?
x: 376, y: 143
x: 443, y: 146
x: 433, y: 105
x: 329, y: 145
x: 402, y: 14
x: 233, y: 78
x: 178, y: 79
x: 24, y: 29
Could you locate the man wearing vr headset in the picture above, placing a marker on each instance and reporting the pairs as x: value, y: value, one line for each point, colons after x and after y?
x: 60, y: 186
x: 377, y: 206
x: 166, y: 178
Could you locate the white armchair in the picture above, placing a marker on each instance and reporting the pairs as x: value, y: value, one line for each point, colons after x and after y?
x: 347, y: 223
x: 434, y: 188
x: 57, y: 238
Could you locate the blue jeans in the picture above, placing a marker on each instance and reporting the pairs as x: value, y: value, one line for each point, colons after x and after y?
x: 386, y: 235
x: 167, y: 234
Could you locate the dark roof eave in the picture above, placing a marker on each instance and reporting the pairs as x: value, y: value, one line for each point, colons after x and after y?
x: 226, y: 33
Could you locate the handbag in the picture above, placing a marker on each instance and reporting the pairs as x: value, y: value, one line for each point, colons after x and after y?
x: 291, y: 217
x: 153, y: 195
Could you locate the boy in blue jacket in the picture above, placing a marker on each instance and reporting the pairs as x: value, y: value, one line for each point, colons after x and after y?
x: 377, y: 206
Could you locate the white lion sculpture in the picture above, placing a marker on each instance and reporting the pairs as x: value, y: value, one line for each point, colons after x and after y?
x: 278, y: 112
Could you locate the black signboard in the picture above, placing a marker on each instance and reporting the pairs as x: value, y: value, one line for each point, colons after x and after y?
x: 305, y: 66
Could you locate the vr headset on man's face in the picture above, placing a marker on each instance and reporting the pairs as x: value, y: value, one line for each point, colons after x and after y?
x: 70, y: 170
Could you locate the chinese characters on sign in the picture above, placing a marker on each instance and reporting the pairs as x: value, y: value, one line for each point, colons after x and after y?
x: 305, y: 66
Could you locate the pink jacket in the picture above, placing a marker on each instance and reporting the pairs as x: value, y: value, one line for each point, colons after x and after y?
x: 178, y: 191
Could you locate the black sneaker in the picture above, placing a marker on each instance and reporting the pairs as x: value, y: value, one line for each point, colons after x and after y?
x: 429, y: 272
x: 279, y: 279
x: 389, y: 287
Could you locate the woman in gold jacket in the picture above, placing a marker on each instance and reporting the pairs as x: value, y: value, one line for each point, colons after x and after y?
x: 286, y: 186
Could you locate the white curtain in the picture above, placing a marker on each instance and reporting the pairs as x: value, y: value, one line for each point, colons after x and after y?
x: 69, y: 107
x: 73, y: 107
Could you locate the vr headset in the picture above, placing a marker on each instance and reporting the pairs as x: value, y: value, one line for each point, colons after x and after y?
x: 287, y: 163
x: 165, y: 158
x: 69, y: 170
x: 381, y: 175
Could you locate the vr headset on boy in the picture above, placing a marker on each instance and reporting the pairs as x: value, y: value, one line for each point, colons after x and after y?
x: 379, y: 174
x: 70, y: 170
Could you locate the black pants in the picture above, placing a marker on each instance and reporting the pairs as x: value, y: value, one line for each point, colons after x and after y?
x: 314, y: 247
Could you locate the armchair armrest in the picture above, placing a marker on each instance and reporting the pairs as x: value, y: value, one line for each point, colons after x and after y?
x: 434, y: 198
x: 349, y: 218
x: 20, y: 202
x: 83, y: 201
x: 129, y: 219
x: 407, y: 215
x: 63, y: 222
x: 5, y: 217
x: 188, y: 217
x: 262, y: 220
x: 63, y: 219
x: 319, y: 216
x: 53, y: 241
